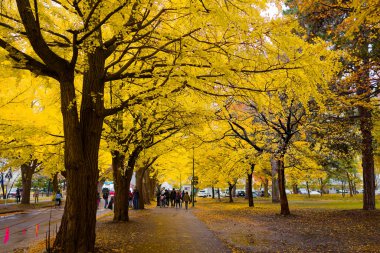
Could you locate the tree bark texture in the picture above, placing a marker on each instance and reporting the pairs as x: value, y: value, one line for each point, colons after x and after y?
x: 266, y: 188
x: 55, y: 183
x: 123, y: 178
x: 366, y: 126
x: 122, y: 185
x: 27, y: 171
x: 146, y: 188
x: 295, y: 188
x: 139, y: 185
x: 230, y: 187
x: 281, y: 184
x: 249, y: 186
x: 82, y: 139
x: 275, y: 187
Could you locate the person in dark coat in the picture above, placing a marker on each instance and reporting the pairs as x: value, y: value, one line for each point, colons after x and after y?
x: 186, y: 199
x: 105, y: 197
x: 18, y: 195
x: 167, y: 196
x: 136, y: 196
x: 172, y: 197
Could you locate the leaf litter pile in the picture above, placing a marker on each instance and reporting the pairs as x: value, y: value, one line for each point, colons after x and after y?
x: 261, y: 229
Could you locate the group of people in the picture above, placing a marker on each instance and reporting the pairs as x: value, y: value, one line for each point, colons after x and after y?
x: 174, y: 197
x: 107, y: 203
x: 133, y: 199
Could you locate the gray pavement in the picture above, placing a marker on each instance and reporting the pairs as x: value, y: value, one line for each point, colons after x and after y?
x: 174, y: 230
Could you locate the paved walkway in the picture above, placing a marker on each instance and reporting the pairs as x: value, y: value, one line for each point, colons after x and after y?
x: 163, y: 230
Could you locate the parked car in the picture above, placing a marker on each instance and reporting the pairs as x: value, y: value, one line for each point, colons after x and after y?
x: 203, y: 194
x: 315, y: 193
x: 302, y: 191
x: 240, y: 194
x: 12, y: 193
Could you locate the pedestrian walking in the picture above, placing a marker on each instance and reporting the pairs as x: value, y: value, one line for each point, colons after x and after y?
x: 18, y: 195
x: 178, y: 200
x: 167, y: 196
x: 36, y: 195
x: 163, y: 200
x: 130, y: 199
x: 173, y: 194
x: 136, y: 197
x: 58, y: 198
x: 105, y: 197
x: 186, y: 199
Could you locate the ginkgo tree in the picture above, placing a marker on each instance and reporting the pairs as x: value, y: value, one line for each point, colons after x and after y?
x: 351, y: 26
x: 87, y: 47
x: 93, y: 43
x: 32, y: 138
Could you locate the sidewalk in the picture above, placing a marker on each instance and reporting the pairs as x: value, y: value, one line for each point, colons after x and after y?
x: 157, y: 230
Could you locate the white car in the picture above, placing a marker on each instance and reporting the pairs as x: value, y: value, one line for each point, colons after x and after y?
x: 203, y: 194
x: 314, y: 193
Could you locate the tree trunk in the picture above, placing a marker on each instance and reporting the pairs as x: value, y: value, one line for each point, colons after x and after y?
x: 139, y: 185
x: 27, y: 171
x: 123, y: 178
x: 308, y: 188
x: 275, y: 187
x: 350, y: 185
x: 219, y: 194
x: 82, y: 140
x: 55, y: 183
x: 295, y: 188
x: 366, y: 126
x: 147, y: 189
x: 121, y: 184
x: 321, y: 185
x: 213, y: 192
x: 281, y: 183
x: 153, y: 182
x: 266, y: 188
x: 249, y: 186
x: 230, y: 187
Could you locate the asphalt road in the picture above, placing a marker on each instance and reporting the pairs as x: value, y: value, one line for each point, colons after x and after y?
x: 30, y: 226
x: 24, y: 228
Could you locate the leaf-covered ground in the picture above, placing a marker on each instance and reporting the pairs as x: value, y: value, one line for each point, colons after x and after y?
x: 327, y: 224
x: 315, y: 225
